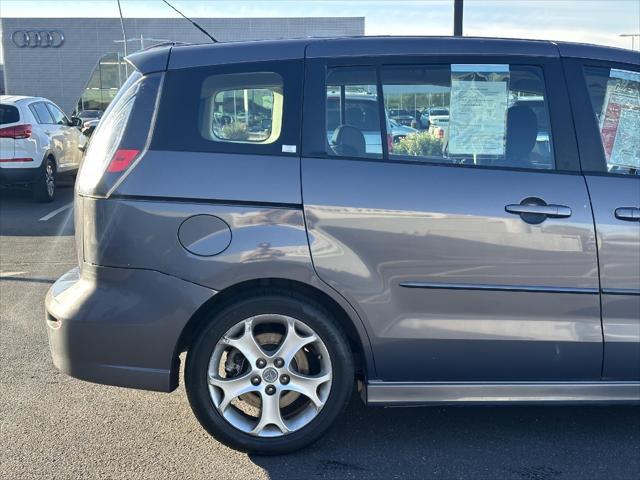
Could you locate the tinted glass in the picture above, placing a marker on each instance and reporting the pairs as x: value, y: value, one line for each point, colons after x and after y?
x: 245, y: 108
x: 9, y: 114
x: 58, y: 117
x: 352, y: 113
x: 41, y: 112
x: 615, y: 98
x: 476, y: 114
x: 242, y: 107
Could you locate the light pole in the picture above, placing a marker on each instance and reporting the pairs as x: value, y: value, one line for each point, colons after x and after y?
x: 457, y: 17
x: 633, y: 38
x: 124, y: 39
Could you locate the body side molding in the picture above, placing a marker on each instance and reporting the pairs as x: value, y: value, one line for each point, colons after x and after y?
x: 405, y: 393
x: 497, y: 288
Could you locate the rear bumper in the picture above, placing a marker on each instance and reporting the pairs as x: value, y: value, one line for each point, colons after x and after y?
x: 18, y: 175
x: 120, y: 326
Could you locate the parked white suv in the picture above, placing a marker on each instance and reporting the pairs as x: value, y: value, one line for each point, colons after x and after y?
x: 37, y: 143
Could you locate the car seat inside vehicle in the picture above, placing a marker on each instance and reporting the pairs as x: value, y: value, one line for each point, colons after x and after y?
x: 522, y: 131
x: 348, y: 140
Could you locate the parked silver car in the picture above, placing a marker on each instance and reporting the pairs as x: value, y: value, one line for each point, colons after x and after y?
x: 490, y: 266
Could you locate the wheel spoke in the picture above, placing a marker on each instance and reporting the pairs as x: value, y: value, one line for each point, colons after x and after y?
x: 232, y: 388
x: 292, y: 365
x: 270, y: 414
x: 246, y: 343
x: 292, y: 342
x: 308, y: 385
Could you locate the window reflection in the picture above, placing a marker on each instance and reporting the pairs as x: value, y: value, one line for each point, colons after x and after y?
x: 103, y: 85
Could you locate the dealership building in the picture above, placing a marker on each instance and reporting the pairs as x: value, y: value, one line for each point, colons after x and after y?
x: 77, y: 62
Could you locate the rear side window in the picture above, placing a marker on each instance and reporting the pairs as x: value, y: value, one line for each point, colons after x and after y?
x: 248, y: 108
x: 462, y: 114
x: 478, y: 114
x: 9, y: 114
x: 242, y: 107
x: 352, y: 113
x: 41, y: 112
x: 615, y: 98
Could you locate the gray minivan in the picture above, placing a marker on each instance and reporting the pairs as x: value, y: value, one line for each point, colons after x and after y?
x: 215, y: 215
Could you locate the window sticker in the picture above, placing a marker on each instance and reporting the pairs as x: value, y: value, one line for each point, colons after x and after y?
x: 620, y: 119
x: 289, y: 148
x: 478, y: 111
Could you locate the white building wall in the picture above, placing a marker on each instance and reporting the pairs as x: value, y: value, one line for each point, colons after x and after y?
x: 61, y: 74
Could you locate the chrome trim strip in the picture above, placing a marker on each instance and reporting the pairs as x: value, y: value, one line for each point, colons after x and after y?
x: 498, y: 288
x: 621, y: 291
x: 398, y: 393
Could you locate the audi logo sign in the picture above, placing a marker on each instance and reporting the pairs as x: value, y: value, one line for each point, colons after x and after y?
x: 37, y: 38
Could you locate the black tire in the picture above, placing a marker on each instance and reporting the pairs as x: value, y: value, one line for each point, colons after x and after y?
x: 278, y: 302
x: 44, y: 188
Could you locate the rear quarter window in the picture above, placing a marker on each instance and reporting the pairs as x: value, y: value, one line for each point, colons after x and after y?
x: 251, y: 108
x: 9, y: 114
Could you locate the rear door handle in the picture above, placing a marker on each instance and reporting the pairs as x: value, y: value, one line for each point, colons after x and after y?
x: 553, y: 211
x: 630, y: 214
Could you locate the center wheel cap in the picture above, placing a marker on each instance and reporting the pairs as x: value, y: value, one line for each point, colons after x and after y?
x: 270, y: 375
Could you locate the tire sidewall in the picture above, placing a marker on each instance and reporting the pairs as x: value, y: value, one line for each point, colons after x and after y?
x: 316, y: 318
x: 40, y: 187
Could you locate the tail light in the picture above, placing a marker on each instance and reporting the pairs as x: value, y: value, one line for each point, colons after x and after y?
x: 440, y: 133
x: 389, y: 142
x: 17, y: 132
x: 120, y: 139
x: 122, y: 160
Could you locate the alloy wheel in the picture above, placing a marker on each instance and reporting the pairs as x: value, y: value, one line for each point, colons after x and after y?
x: 50, y: 178
x: 269, y: 375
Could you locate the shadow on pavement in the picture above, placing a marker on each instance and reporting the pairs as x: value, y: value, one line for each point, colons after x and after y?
x: 27, y: 280
x: 521, y: 442
x: 20, y: 214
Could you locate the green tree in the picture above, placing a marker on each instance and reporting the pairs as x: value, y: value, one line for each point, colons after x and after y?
x: 420, y: 144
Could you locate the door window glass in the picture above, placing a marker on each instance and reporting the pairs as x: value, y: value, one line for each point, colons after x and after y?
x: 244, y: 108
x: 473, y: 114
x: 352, y: 113
x: 615, y: 98
x: 41, y: 112
x: 58, y: 117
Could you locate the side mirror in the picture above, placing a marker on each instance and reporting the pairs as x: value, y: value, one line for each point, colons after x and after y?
x: 76, y: 122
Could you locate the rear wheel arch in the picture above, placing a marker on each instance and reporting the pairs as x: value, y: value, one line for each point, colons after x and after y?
x: 359, y: 346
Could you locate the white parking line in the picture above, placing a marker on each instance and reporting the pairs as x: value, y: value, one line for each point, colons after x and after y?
x: 50, y: 215
x: 11, y: 274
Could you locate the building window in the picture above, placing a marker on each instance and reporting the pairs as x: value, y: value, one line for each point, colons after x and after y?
x: 106, y: 79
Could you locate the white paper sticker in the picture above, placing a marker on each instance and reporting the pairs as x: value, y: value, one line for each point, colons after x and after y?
x: 289, y: 148
x: 477, y: 122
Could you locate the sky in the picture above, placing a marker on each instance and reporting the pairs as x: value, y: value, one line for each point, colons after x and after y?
x: 589, y: 21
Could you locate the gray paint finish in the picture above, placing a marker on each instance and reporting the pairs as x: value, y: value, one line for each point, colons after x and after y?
x: 225, y: 53
x: 215, y: 176
x: 448, y: 290
x: 110, y: 332
x: 619, y: 251
x: 268, y: 242
x: 384, y: 223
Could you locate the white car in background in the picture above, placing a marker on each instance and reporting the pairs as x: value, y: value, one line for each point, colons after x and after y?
x: 37, y: 143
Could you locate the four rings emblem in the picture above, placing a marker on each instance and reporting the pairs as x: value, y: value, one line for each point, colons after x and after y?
x: 37, y: 38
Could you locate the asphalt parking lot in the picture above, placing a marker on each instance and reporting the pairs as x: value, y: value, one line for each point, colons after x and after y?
x: 53, y: 426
